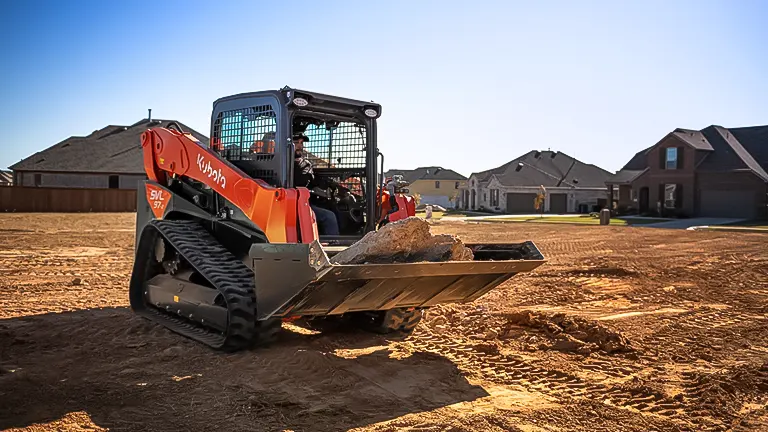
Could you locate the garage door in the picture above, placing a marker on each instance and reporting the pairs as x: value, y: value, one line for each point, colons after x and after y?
x: 558, y: 203
x: 521, y: 203
x: 730, y: 204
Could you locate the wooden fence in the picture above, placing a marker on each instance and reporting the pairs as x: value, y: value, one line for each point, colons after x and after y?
x: 66, y: 200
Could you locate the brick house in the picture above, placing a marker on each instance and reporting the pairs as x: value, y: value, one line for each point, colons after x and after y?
x: 571, y: 186
x: 110, y: 157
x: 713, y: 172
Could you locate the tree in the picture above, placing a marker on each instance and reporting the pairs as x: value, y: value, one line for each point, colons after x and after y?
x: 416, y: 198
x: 539, y: 200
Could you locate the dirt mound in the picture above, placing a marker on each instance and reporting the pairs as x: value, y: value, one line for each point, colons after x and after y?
x: 407, y: 240
x: 572, y: 333
x: 558, y: 331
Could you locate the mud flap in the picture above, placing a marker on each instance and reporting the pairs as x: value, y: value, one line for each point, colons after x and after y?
x: 298, y: 279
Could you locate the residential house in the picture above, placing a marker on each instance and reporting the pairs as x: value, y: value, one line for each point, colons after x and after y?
x: 713, y: 172
x: 6, y: 178
x: 569, y: 185
x: 435, y: 185
x: 110, y: 157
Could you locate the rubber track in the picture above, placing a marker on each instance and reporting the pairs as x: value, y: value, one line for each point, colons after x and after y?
x: 225, y: 272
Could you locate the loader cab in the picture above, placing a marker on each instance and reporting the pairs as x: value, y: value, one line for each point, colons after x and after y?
x: 253, y: 131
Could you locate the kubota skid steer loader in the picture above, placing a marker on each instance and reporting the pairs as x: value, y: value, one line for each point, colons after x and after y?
x: 227, y: 248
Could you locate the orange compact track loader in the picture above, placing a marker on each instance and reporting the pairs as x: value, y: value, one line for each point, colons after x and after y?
x: 227, y: 247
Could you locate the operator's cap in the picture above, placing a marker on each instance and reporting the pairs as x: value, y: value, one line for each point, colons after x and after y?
x: 302, y: 136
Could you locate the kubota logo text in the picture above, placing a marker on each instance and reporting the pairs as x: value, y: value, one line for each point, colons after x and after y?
x: 205, y: 168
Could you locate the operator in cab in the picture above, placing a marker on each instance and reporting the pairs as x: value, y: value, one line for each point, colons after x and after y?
x: 303, y: 176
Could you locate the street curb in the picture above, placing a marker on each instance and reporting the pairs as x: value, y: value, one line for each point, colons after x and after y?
x: 729, y: 229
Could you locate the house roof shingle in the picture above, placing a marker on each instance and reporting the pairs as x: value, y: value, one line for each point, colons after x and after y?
x: 549, y: 169
x: 755, y: 140
x: 694, y: 138
x: 639, y: 161
x: 426, y: 173
x: 112, y: 149
x: 726, y: 150
x: 729, y: 154
x: 626, y: 176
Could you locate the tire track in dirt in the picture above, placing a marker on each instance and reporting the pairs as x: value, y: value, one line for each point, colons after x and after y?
x: 508, y: 370
x: 692, y: 332
x: 610, y: 369
x: 717, y: 391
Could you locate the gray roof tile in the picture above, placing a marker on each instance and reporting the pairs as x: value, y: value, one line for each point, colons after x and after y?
x: 626, y: 176
x: 112, y: 149
x: 426, y: 173
x: 729, y: 154
x: 755, y: 141
x: 694, y: 138
x: 549, y: 169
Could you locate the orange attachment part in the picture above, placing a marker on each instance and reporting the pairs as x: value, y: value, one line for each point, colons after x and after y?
x: 277, y: 211
x: 406, y: 207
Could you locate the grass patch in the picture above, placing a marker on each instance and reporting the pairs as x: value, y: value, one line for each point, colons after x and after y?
x: 761, y: 224
x: 435, y: 214
x: 738, y: 228
x: 439, y: 215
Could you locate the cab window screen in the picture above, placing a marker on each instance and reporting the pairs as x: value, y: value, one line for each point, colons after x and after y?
x: 336, y: 146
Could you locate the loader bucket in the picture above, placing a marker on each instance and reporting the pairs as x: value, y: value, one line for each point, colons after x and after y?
x: 299, y: 280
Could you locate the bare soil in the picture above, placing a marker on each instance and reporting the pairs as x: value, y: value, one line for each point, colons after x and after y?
x: 624, y: 329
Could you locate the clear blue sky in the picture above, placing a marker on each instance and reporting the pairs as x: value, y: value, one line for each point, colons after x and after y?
x: 464, y: 85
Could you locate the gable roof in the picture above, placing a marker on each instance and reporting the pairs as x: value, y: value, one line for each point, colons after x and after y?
x: 426, y: 173
x: 729, y: 154
x: 755, y: 141
x: 639, y: 161
x: 485, y: 176
x: 547, y: 168
x: 112, y: 149
x: 626, y: 176
x: 694, y: 138
x: 743, y: 148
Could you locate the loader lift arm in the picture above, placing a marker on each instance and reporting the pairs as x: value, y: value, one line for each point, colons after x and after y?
x: 284, y: 215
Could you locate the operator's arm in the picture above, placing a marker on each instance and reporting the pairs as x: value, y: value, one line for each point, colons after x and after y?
x: 302, y: 173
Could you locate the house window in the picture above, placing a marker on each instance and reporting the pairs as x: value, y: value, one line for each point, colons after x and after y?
x: 670, y: 196
x: 437, y: 185
x: 456, y: 186
x: 494, y: 197
x: 38, y: 179
x: 114, y: 182
x: 485, y: 196
x: 671, y: 159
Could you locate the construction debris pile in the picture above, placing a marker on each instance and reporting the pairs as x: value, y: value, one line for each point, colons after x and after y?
x: 405, y: 241
x: 571, y: 333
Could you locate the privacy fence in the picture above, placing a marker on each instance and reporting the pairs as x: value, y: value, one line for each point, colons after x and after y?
x: 68, y: 200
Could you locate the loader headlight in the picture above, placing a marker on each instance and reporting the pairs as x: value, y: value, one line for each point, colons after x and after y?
x: 300, y: 102
x: 370, y: 112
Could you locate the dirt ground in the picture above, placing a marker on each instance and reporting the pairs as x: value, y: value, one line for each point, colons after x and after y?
x: 623, y: 329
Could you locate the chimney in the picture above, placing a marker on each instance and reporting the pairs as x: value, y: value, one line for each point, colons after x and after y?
x: 149, y: 116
